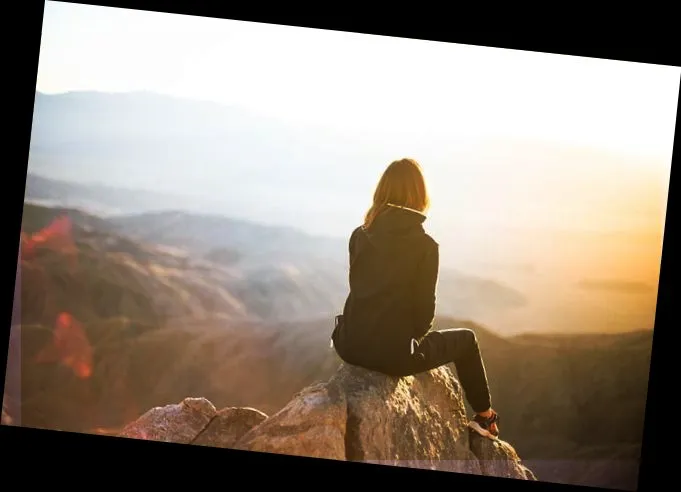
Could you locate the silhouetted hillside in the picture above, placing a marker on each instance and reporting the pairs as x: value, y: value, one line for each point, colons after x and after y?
x: 247, y: 364
x: 96, y: 198
x: 202, y: 233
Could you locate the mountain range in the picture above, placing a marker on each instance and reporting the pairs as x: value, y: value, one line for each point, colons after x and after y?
x: 285, y: 273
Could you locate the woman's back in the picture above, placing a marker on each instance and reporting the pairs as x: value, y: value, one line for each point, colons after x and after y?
x: 393, y: 271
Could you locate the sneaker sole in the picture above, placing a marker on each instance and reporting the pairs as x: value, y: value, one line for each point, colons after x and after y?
x: 483, y: 432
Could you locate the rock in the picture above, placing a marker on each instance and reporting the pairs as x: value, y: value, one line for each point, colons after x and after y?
x: 179, y: 423
x: 418, y: 421
x: 497, y: 458
x: 228, y: 426
x: 358, y: 415
x: 194, y: 421
x: 313, y: 424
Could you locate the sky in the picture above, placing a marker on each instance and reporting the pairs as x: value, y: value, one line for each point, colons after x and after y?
x: 478, y: 118
x: 363, y: 81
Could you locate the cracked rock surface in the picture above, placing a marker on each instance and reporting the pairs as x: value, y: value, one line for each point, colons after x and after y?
x: 358, y: 415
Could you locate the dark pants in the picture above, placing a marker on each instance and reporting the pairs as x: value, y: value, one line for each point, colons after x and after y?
x: 460, y: 347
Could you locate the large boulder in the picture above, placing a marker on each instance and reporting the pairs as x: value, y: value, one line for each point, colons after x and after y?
x: 358, y: 415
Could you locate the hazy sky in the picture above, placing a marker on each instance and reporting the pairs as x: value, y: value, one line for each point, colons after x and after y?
x: 407, y: 97
x: 363, y: 81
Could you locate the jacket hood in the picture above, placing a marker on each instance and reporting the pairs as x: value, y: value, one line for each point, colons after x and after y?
x: 394, y: 235
x: 395, y: 223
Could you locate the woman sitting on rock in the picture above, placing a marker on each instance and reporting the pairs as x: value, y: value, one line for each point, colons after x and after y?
x: 388, y: 315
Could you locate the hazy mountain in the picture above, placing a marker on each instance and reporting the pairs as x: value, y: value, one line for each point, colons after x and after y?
x: 569, y: 281
x: 265, y: 290
x: 221, y: 156
x: 283, y: 273
x: 99, y: 199
x: 146, y: 214
x: 201, y: 234
x: 102, y: 274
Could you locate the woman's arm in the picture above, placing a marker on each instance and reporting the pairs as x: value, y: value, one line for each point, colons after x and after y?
x: 426, y: 283
x: 351, y: 246
x: 351, y: 243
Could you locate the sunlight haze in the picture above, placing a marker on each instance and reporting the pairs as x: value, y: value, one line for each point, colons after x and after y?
x: 368, y: 81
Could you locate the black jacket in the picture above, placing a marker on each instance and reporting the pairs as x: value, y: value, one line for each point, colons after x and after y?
x: 393, y: 275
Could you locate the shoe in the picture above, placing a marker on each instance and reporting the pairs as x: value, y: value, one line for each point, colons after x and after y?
x: 483, y: 425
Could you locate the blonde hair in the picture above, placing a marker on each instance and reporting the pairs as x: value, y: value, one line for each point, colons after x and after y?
x: 402, y: 184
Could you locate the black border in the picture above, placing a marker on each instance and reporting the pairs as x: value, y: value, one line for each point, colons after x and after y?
x: 59, y: 455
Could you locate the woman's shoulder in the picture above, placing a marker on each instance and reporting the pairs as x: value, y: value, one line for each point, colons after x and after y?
x: 426, y: 245
x: 357, y: 230
x: 430, y: 241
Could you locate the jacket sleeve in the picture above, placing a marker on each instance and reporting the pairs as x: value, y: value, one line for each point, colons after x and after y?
x: 351, y: 247
x: 426, y: 283
x: 351, y: 244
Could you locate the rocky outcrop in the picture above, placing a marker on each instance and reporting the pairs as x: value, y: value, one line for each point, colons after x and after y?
x: 195, y: 421
x: 358, y: 415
